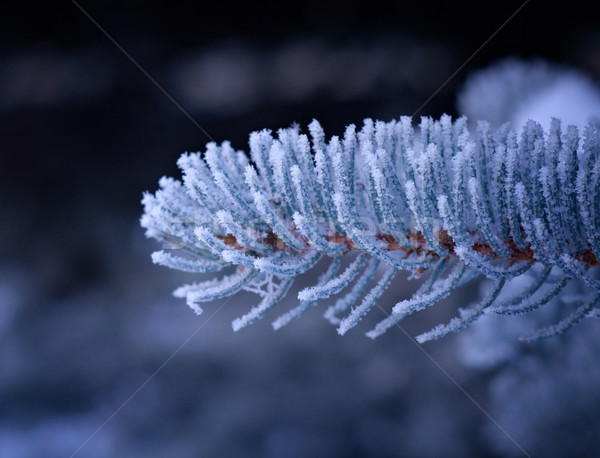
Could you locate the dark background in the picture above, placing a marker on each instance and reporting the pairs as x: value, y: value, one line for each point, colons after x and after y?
x: 85, y: 318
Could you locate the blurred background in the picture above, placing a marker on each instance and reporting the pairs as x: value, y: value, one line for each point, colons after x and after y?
x: 86, y: 319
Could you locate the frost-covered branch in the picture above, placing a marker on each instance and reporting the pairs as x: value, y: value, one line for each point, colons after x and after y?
x: 441, y: 202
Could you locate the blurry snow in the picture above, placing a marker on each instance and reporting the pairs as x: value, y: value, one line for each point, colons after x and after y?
x: 222, y: 80
x: 572, y: 98
x: 42, y: 78
x: 234, y: 77
x: 515, y: 91
x: 549, y: 401
x: 13, y: 285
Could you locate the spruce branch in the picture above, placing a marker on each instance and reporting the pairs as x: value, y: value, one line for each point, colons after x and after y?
x: 441, y: 202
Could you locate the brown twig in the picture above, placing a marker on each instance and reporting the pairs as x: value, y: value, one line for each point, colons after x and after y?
x: 419, y: 246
